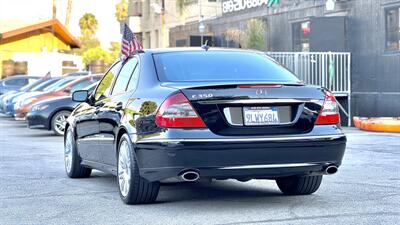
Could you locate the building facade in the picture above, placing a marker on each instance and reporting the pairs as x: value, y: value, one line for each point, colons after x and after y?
x: 368, y: 29
x: 28, y: 41
x: 151, y: 20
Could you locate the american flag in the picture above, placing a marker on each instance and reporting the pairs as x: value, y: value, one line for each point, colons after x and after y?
x: 130, y: 43
x: 47, y: 76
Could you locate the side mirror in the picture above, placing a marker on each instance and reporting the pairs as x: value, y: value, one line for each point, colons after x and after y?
x: 80, y: 96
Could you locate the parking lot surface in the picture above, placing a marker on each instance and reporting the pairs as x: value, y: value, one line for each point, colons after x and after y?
x: 35, y: 190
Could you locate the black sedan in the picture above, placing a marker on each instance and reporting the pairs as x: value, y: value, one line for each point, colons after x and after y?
x: 187, y: 114
x: 52, y: 114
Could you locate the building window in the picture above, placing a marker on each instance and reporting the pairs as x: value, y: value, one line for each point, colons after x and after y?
x: 148, y: 40
x: 301, y: 36
x: 181, y: 43
x: 393, y: 29
x: 157, y: 39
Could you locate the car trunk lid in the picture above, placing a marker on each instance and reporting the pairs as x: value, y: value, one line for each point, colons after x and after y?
x: 252, y: 108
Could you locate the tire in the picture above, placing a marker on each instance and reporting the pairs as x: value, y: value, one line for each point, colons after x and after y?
x: 133, y: 189
x: 58, y: 122
x: 299, y: 185
x: 72, y: 161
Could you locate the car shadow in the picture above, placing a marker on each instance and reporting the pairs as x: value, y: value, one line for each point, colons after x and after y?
x: 216, y: 190
x: 40, y: 134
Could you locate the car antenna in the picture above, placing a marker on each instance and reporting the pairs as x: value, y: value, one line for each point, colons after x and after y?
x: 205, y: 46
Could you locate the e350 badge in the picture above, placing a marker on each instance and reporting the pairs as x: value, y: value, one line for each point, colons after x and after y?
x: 202, y: 96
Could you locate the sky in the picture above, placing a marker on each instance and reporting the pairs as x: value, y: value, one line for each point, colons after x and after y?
x: 33, y: 10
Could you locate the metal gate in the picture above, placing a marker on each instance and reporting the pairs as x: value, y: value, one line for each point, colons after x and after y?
x: 331, y: 70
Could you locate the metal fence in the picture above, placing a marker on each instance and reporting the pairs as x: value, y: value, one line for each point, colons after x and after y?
x: 327, y: 69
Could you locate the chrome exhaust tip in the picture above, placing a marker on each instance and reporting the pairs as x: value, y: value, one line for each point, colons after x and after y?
x: 332, y: 169
x: 190, y: 176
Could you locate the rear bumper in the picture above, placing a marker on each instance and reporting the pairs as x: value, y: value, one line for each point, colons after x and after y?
x: 20, y: 116
x: 257, y: 157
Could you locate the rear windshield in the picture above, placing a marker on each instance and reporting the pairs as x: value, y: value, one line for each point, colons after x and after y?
x: 219, y: 66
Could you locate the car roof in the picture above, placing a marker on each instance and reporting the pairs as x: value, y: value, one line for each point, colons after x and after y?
x: 199, y: 49
x: 19, y: 76
x: 80, y: 73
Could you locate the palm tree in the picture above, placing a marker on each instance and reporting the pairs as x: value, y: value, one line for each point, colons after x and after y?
x: 122, y: 11
x: 68, y: 15
x: 54, y: 9
x: 88, y: 24
x: 181, y: 4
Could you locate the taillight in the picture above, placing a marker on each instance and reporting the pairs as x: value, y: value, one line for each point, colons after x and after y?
x: 330, y: 111
x: 177, y: 112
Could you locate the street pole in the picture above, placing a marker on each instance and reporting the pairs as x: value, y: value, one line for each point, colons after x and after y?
x: 163, y: 25
x: 202, y: 32
x: 201, y: 22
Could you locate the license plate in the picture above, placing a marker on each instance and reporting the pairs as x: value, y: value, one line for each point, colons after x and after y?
x: 259, y: 116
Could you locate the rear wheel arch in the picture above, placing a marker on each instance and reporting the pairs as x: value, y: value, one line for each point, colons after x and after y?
x: 121, y: 132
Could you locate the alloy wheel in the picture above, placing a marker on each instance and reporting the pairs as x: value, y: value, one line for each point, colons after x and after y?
x: 124, y: 168
x: 68, y: 148
x: 60, y: 121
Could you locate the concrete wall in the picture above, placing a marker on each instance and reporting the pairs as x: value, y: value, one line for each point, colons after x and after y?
x: 143, y: 14
x: 376, y: 73
x: 41, y: 63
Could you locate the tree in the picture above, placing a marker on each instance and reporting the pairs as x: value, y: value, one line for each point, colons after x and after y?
x: 96, y: 53
x: 121, y: 11
x: 252, y: 37
x: 68, y: 14
x: 54, y: 9
x: 88, y: 24
x: 115, y: 50
x: 255, y: 34
x: 86, y: 44
x: 181, y: 4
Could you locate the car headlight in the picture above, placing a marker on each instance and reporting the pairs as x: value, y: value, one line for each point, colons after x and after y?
x: 39, y: 107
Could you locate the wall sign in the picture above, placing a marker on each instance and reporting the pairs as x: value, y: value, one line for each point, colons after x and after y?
x: 239, y: 5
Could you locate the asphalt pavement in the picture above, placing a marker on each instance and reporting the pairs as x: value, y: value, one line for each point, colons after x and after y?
x: 34, y: 189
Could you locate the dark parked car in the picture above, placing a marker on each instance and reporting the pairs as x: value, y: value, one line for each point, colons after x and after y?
x: 14, y: 83
x: 52, y: 114
x: 71, y: 84
x: 217, y: 114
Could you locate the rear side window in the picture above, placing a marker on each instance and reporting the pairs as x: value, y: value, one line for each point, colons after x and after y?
x: 219, y: 66
x: 104, y: 87
x: 133, y: 82
x: 124, y: 76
